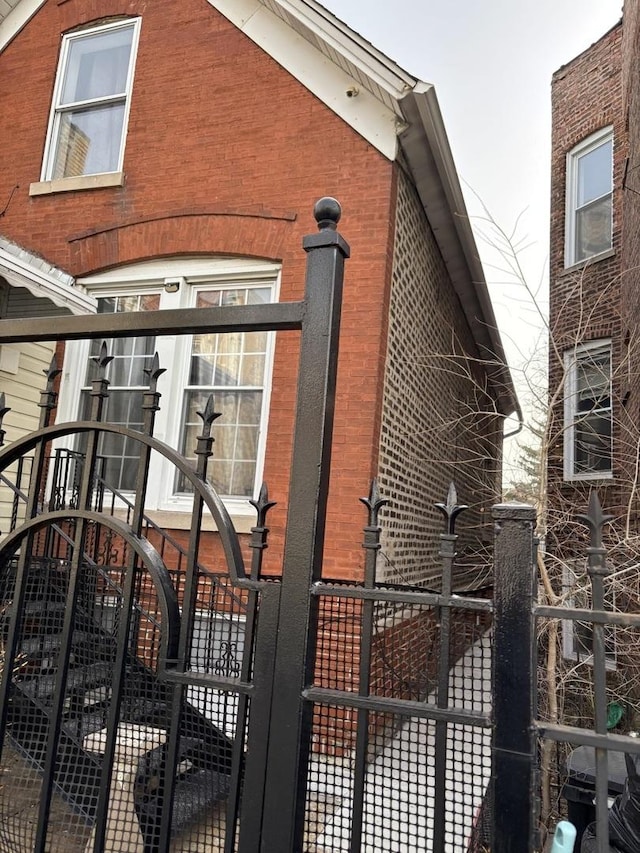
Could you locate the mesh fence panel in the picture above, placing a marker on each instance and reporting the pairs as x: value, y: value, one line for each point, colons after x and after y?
x: 396, y: 793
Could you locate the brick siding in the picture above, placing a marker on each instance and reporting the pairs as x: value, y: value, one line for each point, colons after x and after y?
x: 432, y: 432
x: 585, y: 299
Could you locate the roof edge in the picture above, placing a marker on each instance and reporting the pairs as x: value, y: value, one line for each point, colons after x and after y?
x: 438, y: 186
x: 13, y: 21
x: 41, y: 279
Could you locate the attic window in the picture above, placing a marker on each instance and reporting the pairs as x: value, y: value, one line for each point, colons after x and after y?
x: 91, y: 100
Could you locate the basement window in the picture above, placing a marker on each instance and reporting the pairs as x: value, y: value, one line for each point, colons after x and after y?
x: 91, y: 100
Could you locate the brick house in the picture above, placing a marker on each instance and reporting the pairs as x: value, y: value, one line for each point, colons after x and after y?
x: 170, y: 157
x: 133, y: 184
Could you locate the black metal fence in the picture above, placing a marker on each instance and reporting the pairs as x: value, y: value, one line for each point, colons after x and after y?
x: 153, y: 701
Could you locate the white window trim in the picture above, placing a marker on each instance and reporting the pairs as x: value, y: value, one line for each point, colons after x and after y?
x: 589, y: 144
x: 571, y: 358
x: 151, y: 277
x: 52, y: 129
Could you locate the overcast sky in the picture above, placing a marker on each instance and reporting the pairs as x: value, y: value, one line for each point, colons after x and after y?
x: 491, y: 62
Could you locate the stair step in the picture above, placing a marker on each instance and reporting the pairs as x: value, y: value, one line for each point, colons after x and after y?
x: 198, y: 786
x: 91, y: 676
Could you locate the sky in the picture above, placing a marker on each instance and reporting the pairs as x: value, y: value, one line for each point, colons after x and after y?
x: 491, y: 62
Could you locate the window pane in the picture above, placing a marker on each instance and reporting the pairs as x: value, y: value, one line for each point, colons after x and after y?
x: 227, y: 370
x: 243, y: 477
x: 594, y: 173
x: 131, y: 356
x: 594, y: 382
x: 97, y: 65
x: 232, y: 468
x: 120, y: 453
x: 89, y: 141
x: 593, y: 443
x: 593, y: 229
x: 252, y: 370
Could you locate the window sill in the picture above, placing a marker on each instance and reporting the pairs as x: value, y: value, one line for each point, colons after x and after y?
x: 177, y: 520
x: 79, y: 182
x: 588, y: 478
x: 594, y: 259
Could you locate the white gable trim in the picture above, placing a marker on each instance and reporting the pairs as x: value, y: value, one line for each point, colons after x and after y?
x: 21, y: 269
x: 369, y: 116
x: 13, y: 17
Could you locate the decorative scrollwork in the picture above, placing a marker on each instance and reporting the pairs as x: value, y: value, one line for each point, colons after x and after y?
x: 227, y: 664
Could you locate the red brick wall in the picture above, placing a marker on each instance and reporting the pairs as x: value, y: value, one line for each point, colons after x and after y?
x: 585, y: 299
x: 226, y: 153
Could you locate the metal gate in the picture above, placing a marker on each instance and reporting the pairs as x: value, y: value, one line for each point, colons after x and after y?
x: 139, y: 724
x: 149, y: 703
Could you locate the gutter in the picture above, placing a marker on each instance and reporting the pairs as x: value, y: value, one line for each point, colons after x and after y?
x: 437, y: 182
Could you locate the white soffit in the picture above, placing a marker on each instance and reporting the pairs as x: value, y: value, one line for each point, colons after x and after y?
x: 334, y: 66
x: 21, y: 269
x: 14, y: 14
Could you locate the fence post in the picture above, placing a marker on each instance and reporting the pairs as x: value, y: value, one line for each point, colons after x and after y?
x: 514, y: 655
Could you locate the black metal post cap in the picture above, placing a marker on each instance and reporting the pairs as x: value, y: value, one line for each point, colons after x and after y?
x: 327, y: 212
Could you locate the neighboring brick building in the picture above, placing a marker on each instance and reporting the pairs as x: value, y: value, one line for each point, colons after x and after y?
x: 595, y: 344
x: 588, y: 381
x: 235, y: 126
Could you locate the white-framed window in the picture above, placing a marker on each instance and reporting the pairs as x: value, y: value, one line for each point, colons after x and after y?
x: 91, y: 101
x: 588, y: 414
x: 589, y: 213
x: 235, y: 368
x: 577, y: 637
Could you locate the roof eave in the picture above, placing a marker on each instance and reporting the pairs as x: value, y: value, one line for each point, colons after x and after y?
x: 21, y: 269
x: 426, y: 149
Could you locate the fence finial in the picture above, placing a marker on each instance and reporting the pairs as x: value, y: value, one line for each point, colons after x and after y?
x: 451, y: 509
x: 595, y: 519
x: 374, y: 503
x: 327, y: 213
x: 262, y: 505
x: 3, y: 411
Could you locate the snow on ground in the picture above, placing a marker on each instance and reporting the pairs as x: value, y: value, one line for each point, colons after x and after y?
x: 399, y: 792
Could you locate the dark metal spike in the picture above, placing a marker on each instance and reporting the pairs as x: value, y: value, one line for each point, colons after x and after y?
x: 155, y: 371
x: 595, y: 519
x: 103, y: 358
x: 451, y: 509
x: 3, y: 411
x: 52, y: 371
x: 374, y: 503
x: 262, y: 505
x: 209, y: 414
x: 3, y: 407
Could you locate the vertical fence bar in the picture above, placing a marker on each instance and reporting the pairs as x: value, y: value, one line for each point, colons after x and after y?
x: 371, y: 544
x: 99, y: 394
x: 447, y: 554
x: 513, y: 743
x: 291, y: 716
x: 597, y: 570
x: 256, y: 749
